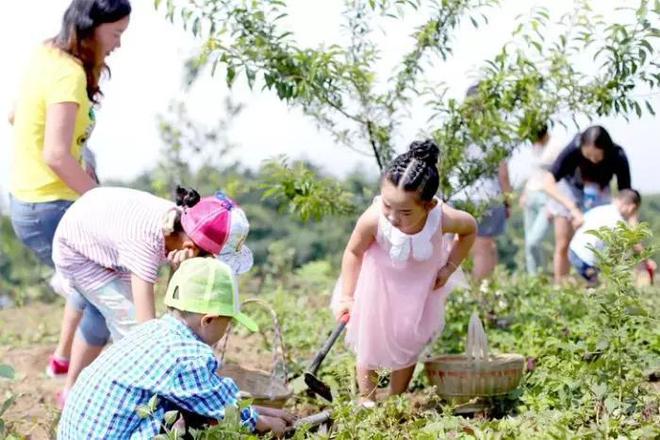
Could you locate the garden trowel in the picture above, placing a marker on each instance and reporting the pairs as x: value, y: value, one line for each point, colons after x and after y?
x: 313, y: 382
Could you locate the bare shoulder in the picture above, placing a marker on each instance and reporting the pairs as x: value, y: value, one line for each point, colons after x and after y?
x: 368, y: 221
x: 457, y: 221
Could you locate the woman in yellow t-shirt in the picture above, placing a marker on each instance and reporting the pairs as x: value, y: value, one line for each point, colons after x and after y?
x: 53, y: 117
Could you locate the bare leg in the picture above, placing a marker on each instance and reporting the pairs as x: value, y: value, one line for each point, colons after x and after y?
x: 485, y: 257
x: 400, y: 379
x: 367, y: 381
x: 82, y: 354
x: 70, y: 322
x: 563, y: 234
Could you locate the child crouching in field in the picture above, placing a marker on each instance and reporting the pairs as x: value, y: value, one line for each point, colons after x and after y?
x: 398, y: 269
x: 170, y: 358
x: 624, y: 208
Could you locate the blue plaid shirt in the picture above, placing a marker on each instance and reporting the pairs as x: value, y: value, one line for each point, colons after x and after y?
x: 162, y: 357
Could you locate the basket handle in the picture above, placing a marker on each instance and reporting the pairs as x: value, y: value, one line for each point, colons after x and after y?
x: 279, y: 364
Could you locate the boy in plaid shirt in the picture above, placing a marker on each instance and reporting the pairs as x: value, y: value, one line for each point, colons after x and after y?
x: 170, y: 358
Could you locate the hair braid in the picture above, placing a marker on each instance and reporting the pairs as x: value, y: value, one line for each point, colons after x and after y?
x: 416, y: 169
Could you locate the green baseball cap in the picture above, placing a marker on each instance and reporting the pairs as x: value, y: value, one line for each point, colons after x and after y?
x: 207, y: 286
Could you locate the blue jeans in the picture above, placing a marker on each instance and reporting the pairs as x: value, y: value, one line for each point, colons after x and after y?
x: 536, y: 226
x: 35, y: 224
x: 586, y: 271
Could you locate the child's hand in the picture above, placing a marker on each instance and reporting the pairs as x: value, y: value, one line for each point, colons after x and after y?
x: 443, y: 275
x: 177, y: 257
x: 345, y: 306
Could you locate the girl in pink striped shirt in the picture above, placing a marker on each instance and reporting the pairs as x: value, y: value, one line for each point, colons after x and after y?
x: 109, y: 247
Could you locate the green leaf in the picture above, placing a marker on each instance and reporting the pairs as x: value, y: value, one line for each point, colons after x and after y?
x: 171, y: 417
x: 231, y: 74
x: 7, y: 372
x: 649, y: 107
x: 153, y: 403
x: 244, y: 403
x: 6, y: 404
x: 599, y: 390
x: 250, y: 75
x: 196, y: 26
x: 611, y: 404
x: 143, y: 411
x: 232, y: 418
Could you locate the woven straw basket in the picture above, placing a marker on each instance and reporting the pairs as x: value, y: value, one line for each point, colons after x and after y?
x: 475, y: 373
x: 461, y: 376
x: 265, y: 389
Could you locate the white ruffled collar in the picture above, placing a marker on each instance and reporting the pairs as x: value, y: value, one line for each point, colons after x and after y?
x: 402, y: 245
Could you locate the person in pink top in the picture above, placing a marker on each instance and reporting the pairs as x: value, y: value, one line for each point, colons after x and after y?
x: 109, y: 247
x: 398, y: 268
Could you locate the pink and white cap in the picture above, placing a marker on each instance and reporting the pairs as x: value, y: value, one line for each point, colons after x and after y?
x: 219, y: 226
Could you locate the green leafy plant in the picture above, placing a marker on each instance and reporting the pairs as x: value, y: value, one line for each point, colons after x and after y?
x: 6, y: 373
x: 307, y: 195
x: 532, y: 80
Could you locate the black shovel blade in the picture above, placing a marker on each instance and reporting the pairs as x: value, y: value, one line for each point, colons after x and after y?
x: 318, y: 387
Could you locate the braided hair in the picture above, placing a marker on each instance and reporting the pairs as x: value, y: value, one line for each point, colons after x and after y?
x: 416, y: 169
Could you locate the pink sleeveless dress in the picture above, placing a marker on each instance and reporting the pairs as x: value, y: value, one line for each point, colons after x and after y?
x: 396, y: 311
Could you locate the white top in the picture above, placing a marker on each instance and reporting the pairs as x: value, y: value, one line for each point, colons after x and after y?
x: 601, y: 216
x: 110, y: 233
x: 401, y: 245
x: 541, y: 161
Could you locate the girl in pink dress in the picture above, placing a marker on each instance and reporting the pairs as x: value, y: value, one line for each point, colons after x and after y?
x: 398, y: 269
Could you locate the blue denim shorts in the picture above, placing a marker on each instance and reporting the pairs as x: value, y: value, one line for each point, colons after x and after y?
x: 493, y: 222
x: 92, y: 326
x: 35, y: 225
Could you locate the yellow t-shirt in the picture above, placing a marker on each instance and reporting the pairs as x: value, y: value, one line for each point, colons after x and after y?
x: 52, y: 77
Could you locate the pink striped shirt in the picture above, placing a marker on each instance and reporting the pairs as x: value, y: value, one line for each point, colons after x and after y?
x: 110, y: 233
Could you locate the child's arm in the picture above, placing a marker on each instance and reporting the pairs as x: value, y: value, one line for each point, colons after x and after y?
x: 143, y: 298
x: 362, y: 237
x: 465, y: 227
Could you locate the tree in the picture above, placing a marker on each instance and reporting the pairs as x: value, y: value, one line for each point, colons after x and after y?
x: 531, y: 80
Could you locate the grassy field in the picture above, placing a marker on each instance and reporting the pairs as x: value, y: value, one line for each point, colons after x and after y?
x: 590, y: 377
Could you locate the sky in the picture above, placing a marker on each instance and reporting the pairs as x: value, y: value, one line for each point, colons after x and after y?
x: 147, y: 75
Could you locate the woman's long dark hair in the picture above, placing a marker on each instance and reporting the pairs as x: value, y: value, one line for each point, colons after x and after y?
x: 597, y: 136
x: 76, y: 36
